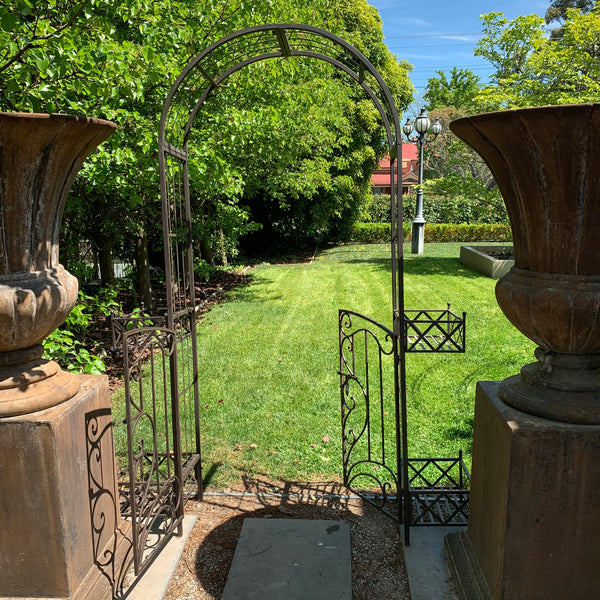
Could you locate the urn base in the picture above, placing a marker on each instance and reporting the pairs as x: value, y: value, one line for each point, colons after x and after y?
x: 560, y: 387
x: 29, y: 383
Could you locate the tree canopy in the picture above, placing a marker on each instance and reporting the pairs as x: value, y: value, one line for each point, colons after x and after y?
x: 289, y: 142
x: 459, y: 91
x: 534, y: 70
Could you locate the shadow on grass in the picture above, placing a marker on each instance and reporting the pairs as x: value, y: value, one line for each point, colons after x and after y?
x: 377, y: 556
x: 420, y: 266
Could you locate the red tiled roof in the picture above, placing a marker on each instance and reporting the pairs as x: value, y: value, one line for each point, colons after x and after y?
x: 380, y: 179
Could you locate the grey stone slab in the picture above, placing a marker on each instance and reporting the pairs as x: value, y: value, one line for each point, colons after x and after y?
x: 291, y: 559
x: 428, y: 575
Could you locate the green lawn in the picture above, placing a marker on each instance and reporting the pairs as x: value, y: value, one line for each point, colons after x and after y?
x: 268, y: 360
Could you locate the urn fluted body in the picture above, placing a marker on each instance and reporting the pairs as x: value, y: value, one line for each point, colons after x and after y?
x: 40, y: 156
x: 546, y: 162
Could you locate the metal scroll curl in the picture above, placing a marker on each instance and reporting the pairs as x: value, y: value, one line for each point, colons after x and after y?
x: 368, y: 351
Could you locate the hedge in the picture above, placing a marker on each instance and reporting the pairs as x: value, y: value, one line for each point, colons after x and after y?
x: 379, y: 233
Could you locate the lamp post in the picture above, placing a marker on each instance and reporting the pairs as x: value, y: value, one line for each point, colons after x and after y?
x: 421, y: 127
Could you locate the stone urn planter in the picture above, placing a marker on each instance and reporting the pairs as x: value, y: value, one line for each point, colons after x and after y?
x: 546, y: 162
x: 39, y: 157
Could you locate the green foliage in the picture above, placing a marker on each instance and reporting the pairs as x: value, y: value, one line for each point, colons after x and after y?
x: 67, y: 344
x: 380, y: 233
x: 377, y: 209
x: 455, y: 209
x: 459, y: 91
x: 557, y: 12
x: 463, y: 232
x: 533, y: 70
x: 286, y: 140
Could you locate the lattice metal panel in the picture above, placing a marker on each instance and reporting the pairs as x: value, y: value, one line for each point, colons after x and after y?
x: 434, y: 331
x: 439, y: 491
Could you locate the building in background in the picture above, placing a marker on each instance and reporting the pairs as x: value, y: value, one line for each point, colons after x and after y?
x: 380, y: 180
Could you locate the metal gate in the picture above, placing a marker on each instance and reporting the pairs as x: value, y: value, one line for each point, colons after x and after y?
x: 200, y: 82
x: 376, y: 461
x: 163, y: 445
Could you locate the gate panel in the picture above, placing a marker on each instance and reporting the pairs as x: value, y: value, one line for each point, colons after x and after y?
x: 370, y: 444
x: 151, y: 497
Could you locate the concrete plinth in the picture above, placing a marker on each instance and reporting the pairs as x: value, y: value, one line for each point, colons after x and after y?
x: 59, y: 500
x: 534, y: 517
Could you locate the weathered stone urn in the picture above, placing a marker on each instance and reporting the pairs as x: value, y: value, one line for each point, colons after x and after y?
x: 546, y: 162
x: 40, y: 155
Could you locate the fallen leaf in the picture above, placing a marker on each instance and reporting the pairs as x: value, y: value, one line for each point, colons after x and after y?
x: 325, y: 438
x: 238, y: 447
x: 313, y: 445
x: 285, y: 511
x: 253, y: 446
x: 221, y: 400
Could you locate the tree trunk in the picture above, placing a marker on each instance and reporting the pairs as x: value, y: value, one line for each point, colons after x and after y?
x: 142, y: 265
x: 105, y: 259
x: 221, y: 252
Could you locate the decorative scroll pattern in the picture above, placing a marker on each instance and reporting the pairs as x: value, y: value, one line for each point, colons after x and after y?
x: 112, y: 554
x: 370, y: 446
x: 151, y: 496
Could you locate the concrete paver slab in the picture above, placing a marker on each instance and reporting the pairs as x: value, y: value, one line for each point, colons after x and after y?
x: 291, y: 559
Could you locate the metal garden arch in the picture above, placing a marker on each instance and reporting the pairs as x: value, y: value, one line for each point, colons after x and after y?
x: 374, y: 445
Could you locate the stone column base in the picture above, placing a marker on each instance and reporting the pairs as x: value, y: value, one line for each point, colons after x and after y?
x: 61, y: 535
x: 534, y: 516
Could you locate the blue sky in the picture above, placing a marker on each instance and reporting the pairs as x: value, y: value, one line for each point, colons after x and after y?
x: 441, y: 34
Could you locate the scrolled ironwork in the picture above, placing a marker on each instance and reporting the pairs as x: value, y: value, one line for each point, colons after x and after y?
x: 365, y: 363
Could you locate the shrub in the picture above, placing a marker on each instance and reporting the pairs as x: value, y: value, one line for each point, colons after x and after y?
x: 379, y: 233
x: 377, y: 209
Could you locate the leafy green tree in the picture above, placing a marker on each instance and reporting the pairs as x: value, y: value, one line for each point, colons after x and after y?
x: 459, y: 91
x: 297, y: 139
x: 532, y: 70
x: 557, y: 11
x: 461, y: 176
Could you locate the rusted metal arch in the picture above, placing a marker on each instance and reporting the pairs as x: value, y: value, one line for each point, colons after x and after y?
x: 201, y: 78
x: 206, y: 72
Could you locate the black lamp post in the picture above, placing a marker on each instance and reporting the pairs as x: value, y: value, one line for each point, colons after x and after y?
x: 421, y: 127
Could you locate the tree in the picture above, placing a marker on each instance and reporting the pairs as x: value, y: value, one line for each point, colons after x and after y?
x: 117, y: 60
x: 557, y: 11
x: 462, y: 177
x: 459, y: 91
x: 533, y: 70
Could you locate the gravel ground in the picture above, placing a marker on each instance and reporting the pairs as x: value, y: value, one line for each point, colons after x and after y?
x: 377, y: 556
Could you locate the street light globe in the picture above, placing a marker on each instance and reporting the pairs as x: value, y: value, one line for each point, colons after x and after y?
x: 422, y: 123
x: 407, y: 127
x: 436, y: 128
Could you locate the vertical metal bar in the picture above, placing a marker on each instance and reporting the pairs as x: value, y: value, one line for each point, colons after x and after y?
x: 368, y: 395
x: 342, y: 399
x: 130, y: 467
x: 382, y: 408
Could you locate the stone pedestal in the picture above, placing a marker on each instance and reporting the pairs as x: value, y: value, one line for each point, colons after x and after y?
x: 59, y: 503
x: 534, y: 519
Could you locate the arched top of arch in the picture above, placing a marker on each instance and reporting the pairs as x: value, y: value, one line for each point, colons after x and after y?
x: 206, y: 72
